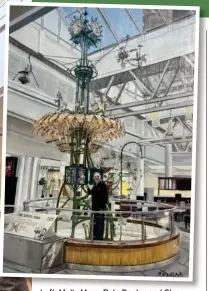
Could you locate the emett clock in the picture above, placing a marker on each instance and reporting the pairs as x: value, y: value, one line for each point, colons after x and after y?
x: 96, y: 27
x: 81, y: 28
x: 76, y: 26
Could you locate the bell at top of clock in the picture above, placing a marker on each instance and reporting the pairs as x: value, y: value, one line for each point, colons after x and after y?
x: 96, y: 27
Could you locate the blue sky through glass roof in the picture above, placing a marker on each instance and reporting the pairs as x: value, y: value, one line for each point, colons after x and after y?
x: 138, y: 15
x: 68, y: 10
x: 121, y: 22
x: 119, y: 19
x: 107, y: 36
x: 71, y: 17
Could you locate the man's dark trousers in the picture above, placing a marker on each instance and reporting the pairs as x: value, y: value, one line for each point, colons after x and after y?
x: 98, y: 229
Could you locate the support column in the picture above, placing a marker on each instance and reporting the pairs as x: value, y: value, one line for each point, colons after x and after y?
x: 24, y: 174
x: 141, y: 173
x: 27, y: 179
x: 141, y: 163
x: 139, y: 183
x: 20, y: 175
x: 168, y: 161
x: 34, y: 178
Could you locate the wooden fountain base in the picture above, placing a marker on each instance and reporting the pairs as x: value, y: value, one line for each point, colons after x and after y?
x: 131, y: 253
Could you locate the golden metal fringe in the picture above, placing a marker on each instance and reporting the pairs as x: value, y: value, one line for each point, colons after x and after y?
x: 115, y: 255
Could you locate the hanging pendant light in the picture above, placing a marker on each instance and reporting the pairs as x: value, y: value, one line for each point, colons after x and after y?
x: 23, y: 76
x: 170, y: 127
x: 188, y: 114
x: 155, y: 119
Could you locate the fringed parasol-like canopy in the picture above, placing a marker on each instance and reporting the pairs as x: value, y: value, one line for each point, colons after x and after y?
x: 68, y: 129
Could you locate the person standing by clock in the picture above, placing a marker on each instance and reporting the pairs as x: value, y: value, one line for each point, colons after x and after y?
x: 99, y: 201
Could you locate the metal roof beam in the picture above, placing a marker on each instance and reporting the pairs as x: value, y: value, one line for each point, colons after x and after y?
x: 169, y: 87
x: 165, y: 120
x: 181, y: 153
x: 176, y: 147
x: 120, y: 92
x: 140, y: 117
x: 189, y: 61
x: 109, y: 86
x: 139, y: 84
x: 143, y: 72
x: 160, y: 12
x: 187, y: 148
x: 161, y: 79
x: 61, y: 13
x: 183, y: 124
x: 31, y: 14
x: 155, y: 109
x: 151, y: 101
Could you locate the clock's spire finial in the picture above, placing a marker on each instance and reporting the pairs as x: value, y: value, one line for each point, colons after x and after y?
x: 86, y: 34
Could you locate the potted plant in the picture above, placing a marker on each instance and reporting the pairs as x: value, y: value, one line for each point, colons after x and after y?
x: 43, y: 183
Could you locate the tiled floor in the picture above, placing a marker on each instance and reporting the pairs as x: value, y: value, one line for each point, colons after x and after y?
x: 181, y: 226
x: 180, y: 268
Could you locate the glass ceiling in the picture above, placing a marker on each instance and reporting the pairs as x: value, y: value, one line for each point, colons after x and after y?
x: 116, y: 23
x: 119, y: 22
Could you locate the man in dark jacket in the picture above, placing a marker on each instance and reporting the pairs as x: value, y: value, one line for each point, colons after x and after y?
x: 99, y: 200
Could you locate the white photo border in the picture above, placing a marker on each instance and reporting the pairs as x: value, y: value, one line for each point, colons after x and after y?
x: 194, y: 142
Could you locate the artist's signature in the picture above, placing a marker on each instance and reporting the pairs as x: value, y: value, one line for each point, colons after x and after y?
x: 170, y: 274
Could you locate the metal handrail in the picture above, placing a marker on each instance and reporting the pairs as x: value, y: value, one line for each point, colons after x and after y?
x: 132, y: 216
x: 142, y: 213
x: 168, y: 208
x: 41, y: 199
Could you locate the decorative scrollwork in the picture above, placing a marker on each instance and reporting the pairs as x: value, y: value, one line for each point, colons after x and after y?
x: 124, y: 57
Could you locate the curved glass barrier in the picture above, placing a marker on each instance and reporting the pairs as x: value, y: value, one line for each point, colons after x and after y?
x: 147, y: 222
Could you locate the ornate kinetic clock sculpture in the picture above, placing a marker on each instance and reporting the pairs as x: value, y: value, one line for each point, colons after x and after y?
x: 83, y: 131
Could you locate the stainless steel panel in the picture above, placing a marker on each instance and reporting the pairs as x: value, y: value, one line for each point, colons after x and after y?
x: 33, y: 254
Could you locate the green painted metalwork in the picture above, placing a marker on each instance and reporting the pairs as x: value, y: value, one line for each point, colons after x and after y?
x: 84, y: 34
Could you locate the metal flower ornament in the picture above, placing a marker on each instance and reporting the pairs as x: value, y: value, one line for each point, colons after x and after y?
x: 127, y: 57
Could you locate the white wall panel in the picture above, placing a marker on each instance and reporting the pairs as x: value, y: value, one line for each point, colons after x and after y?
x: 21, y: 141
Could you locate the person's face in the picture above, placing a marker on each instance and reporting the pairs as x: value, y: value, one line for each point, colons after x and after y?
x: 97, y: 178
